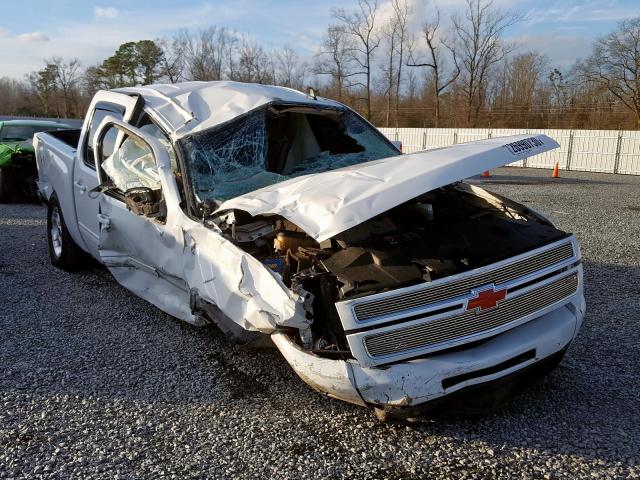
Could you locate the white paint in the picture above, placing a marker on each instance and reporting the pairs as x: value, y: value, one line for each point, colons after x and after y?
x: 327, y: 203
x: 192, y: 107
x: 165, y: 263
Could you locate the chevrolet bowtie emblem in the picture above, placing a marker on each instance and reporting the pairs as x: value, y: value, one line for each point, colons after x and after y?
x: 486, y: 298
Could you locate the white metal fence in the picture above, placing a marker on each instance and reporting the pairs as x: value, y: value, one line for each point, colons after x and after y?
x: 606, y: 151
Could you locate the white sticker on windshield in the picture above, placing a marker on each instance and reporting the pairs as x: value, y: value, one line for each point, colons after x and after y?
x: 516, y: 148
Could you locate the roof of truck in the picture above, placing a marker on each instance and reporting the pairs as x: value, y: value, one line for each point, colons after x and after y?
x: 191, y: 107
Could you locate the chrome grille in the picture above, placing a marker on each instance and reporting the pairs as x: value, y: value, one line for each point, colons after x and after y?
x: 469, y: 323
x: 525, y: 266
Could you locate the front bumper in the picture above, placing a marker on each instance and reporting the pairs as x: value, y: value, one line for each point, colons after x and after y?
x: 479, y: 399
x: 409, y: 385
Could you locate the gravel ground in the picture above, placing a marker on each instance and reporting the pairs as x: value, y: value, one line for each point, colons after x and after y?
x: 97, y: 383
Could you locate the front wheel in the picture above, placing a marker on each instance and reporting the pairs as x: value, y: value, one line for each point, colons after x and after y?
x: 63, y: 251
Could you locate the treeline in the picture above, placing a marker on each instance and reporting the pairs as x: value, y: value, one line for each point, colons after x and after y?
x: 458, y: 71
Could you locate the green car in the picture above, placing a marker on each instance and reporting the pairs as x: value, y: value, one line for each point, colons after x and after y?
x: 17, y: 157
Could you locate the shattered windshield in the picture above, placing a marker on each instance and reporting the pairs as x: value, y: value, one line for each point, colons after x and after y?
x: 273, y: 144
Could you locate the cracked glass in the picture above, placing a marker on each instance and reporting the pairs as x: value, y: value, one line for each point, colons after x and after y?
x: 271, y: 145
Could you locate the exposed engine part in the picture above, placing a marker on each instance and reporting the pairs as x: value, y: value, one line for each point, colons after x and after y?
x: 288, y: 240
x: 437, y: 268
x: 376, y: 226
x: 277, y: 264
x: 438, y: 234
x: 423, y: 212
x: 361, y: 270
x: 252, y: 232
x: 306, y: 298
x: 324, y: 288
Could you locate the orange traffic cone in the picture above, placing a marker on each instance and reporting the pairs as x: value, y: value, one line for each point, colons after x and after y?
x: 486, y: 173
x: 555, y: 173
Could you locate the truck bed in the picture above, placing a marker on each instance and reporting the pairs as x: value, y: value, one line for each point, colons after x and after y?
x: 70, y: 137
x: 55, y: 153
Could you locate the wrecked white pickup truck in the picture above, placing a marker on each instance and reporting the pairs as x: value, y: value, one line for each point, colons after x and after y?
x: 383, y: 279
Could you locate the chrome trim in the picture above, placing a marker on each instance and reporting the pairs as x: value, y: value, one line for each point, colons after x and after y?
x: 356, y: 340
x: 405, y: 339
x: 456, y: 289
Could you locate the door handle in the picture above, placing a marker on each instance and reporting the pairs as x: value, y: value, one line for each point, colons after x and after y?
x: 80, y: 186
x: 104, y: 221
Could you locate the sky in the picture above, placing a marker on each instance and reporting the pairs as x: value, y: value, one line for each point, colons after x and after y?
x: 32, y: 30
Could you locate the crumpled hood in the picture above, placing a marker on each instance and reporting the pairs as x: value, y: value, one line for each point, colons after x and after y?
x: 325, y: 204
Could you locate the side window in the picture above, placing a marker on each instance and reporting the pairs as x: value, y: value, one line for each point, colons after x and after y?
x: 101, y: 110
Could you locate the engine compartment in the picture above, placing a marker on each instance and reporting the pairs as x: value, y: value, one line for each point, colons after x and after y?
x: 450, y: 230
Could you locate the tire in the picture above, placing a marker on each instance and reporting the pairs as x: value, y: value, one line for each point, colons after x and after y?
x: 7, y: 184
x: 63, y: 251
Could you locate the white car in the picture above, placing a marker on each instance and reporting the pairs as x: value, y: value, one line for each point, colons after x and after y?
x: 382, y: 278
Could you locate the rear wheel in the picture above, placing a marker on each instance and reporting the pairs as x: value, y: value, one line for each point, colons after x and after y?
x: 63, y: 251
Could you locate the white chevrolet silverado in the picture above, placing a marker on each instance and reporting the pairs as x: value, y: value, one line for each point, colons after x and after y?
x: 383, y: 279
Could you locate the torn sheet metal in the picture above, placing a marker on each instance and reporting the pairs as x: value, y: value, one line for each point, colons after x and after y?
x: 328, y: 203
x: 169, y: 262
x: 242, y: 287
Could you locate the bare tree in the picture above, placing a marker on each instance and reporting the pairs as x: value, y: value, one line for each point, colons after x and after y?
x: 394, y: 36
x: 291, y: 70
x: 401, y: 11
x: 67, y: 77
x: 206, y: 52
x: 361, y: 24
x: 335, y: 59
x: 614, y: 65
x: 560, y: 88
x: 172, y: 62
x: 254, y: 64
x: 525, y: 74
x: 480, y: 46
x: 441, y: 77
x: 389, y: 34
x: 57, y: 86
x: 17, y: 97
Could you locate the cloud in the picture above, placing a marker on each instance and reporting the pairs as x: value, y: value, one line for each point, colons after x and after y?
x: 33, y: 37
x: 583, y: 11
x: 105, y: 12
x: 4, y: 32
x: 563, y: 50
